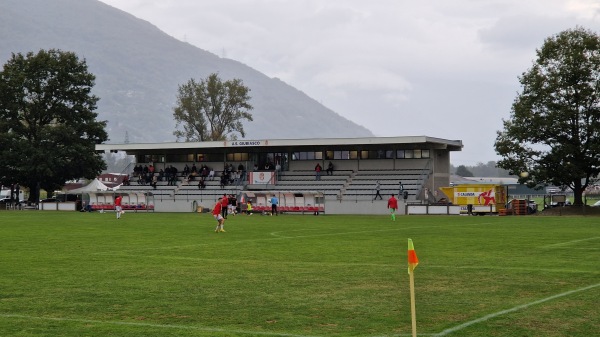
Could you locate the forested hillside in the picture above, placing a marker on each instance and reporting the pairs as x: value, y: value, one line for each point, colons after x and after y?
x: 138, y: 69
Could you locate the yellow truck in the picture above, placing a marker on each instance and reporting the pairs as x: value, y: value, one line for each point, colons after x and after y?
x: 477, y: 199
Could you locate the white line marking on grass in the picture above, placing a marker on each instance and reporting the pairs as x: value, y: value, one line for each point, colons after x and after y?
x: 276, y: 234
x: 570, y: 242
x: 517, y: 308
x: 271, y: 262
x: 526, y: 269
x: 330, y: 234
x: 361, y: 232
x: 273, y: 237
x: 151, y: 325
x: 405, y: 334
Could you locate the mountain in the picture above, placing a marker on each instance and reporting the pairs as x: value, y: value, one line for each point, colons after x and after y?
x: 138, y: 69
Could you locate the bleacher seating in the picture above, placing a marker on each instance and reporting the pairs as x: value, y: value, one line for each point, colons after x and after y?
x: 305, y: 180
x: 184, y: 189
x: 363, y: 184
x: 342, y: 185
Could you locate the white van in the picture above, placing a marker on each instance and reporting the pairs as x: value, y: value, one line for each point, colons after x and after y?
x: 5, y: 194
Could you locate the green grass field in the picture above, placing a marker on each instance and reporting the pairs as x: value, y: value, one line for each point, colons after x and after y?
x: 157, y: 274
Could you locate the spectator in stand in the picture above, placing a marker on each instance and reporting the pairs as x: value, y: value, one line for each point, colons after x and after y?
x: 278, y: 170
x: 211, y: 174
x: 154, y: 181
x: 201, y: 183
x: 136, y: 171
x: 330, y: 169
x: 173, y: 175
x: 223, y: 180
x: 186, y: 170
x: 242, y: 171
x: 126, y: 180
x: 168, y: 174
x: 161, y: 175
x: 377, y: 188
x: 318, y: 170
x: 141, y: 179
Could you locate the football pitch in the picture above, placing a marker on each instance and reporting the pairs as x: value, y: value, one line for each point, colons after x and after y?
x: 170, y: 274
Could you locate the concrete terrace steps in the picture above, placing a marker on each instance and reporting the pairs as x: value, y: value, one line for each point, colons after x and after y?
x: 363, y: 184
x: 286, y: 176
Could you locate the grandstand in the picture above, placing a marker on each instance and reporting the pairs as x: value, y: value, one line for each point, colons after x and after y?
x: 287, y: 167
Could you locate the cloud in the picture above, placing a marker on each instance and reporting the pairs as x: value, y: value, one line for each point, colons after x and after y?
x: 523, y: 32
x: 442, y: 68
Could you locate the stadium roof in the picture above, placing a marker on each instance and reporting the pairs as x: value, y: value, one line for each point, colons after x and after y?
x: 365, y: 143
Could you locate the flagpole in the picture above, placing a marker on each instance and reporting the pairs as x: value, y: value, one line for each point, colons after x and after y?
x: 413, y: 261
x: 413, y: 311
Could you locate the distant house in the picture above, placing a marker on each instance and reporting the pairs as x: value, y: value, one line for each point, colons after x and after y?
x: 458, y: 180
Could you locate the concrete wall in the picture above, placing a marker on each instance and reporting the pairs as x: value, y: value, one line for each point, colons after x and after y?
x: 441, y: 170
x: 378, y: 207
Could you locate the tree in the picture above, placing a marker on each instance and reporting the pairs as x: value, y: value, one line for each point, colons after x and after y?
x: 462, y: 171
x: 48, y: 127
x: 553, y: 135
x: 211, y: 109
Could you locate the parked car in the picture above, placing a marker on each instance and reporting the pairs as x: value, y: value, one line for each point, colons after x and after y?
x: 532, y: 207
x: 5, y: 201
x: 596, y: 204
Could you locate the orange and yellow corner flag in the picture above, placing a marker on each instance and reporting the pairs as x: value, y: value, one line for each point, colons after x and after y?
x: 413, y: 261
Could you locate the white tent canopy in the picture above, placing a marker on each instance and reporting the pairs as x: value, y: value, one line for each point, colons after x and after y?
x: 95, y: 186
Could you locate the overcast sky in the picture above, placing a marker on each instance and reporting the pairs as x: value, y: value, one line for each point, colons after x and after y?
x: 446, y: 69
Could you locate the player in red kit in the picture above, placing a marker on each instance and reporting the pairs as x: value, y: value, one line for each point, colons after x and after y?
x: 217, y: 214
x: 118, y: 207
x: 393, y: 206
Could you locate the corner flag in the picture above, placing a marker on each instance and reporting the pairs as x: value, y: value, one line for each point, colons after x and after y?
x: 413, y: 261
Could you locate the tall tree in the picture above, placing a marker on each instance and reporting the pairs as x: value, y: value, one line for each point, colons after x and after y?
x: 211, y: 109
x: 48, y: 127
x: 554, y: 131
x: 462, y: 171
